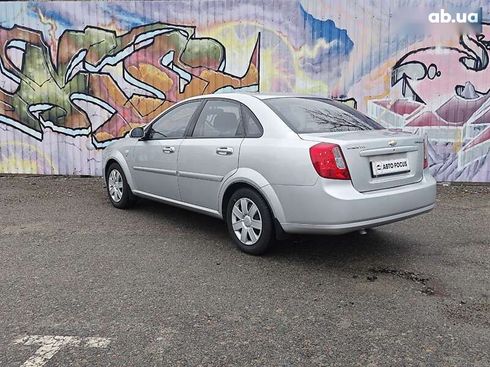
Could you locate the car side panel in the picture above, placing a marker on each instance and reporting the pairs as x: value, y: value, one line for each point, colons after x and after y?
x: 202, y: 169
x: 282, y: 161
x: 121, y: 152
x: 254, y: 179
x: 154, y: 167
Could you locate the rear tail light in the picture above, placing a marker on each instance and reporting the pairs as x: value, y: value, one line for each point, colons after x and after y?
x: 426, y: 160
x: 329, y: 161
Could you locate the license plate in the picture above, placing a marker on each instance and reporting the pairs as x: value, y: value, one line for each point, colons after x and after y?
x: 389, y: 167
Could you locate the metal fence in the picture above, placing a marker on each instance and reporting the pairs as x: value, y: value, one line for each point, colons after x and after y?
x: 75, y: 76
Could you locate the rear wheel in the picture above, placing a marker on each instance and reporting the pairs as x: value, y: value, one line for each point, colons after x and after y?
x: 249, y: 221
x: 118, y: 189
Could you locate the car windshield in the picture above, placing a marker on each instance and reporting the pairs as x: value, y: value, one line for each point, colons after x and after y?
x: 316, y: 115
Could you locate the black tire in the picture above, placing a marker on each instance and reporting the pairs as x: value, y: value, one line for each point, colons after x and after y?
x: 265, y: 239
x: 127, y: 198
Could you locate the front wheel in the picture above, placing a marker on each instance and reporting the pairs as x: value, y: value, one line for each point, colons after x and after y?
x: 249, y: 221
x: 118, y: 189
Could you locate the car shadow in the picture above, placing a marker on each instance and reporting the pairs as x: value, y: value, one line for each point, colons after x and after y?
x: 377, y: 246
x: 181, y: 217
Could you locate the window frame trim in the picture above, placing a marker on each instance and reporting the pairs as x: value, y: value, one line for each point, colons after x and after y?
x: 206, y: 100
x: 193, y: 120
x: 255, y: 118
x: 329, y: 101
x: 149, y: 127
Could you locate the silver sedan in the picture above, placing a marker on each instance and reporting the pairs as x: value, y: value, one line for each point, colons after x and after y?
x: 269, y: 165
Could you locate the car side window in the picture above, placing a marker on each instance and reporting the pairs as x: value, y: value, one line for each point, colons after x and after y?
x: 219, y: 119
x: 251, y: 125
x: 174, y: 123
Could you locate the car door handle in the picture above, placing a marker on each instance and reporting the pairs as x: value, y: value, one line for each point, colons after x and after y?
x: 224, y: 151
x: 168, y: 150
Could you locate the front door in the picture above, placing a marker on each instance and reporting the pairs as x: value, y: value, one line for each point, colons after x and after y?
x: 155, y: 158
x: 211, y: 153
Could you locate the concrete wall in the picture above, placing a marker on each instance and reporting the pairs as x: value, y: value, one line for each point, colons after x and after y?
x: 75, y: 76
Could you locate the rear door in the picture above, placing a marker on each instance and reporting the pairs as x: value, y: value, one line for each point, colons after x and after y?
x: 155, y: 158
x: 210, y: 153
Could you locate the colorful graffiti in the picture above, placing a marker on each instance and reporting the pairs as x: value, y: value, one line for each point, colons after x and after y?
x: 103, y: 85
x: 74, y: 76
x: 445, y: 96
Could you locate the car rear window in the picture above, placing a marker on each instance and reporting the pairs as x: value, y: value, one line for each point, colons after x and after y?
x: 316, y: 115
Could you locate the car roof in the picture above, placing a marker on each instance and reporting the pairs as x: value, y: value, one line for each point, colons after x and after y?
x: 261, y: 96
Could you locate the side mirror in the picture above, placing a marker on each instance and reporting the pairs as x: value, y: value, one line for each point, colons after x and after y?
x: 137, y: 132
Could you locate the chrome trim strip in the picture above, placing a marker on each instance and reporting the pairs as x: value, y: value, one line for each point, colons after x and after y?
x: 201, y: 176
x: 156, y: 170
x: 381, y: 151
x: 196, y: 208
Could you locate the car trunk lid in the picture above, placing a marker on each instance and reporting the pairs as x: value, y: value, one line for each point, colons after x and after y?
x: 378, y: 159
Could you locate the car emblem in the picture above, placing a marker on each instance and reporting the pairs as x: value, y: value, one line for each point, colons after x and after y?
x: 392, y: 143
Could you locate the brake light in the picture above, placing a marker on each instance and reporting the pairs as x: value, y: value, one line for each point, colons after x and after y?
x: 329, y: 161
x: 426, y: 160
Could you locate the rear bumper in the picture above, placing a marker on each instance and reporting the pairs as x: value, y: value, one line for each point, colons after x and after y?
x: 335, y: 207
x: 349, y: 227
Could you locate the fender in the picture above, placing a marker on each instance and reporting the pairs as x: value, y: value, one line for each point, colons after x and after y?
x: 119, y: 158
x: 257, y: 181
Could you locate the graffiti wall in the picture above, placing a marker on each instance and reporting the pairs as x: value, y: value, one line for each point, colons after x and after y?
x: 75, y: 76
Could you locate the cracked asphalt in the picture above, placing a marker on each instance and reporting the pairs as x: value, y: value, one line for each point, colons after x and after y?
x: 167, y: 287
